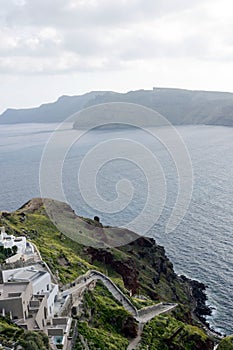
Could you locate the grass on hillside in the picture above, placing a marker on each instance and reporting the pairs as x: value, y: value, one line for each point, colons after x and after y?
x: 165, y: 332
x: 10, y: 335
x: 226, y: 343
x: 104, y: 319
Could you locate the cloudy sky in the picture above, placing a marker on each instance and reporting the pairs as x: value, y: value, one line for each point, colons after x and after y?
x: 50, y: 48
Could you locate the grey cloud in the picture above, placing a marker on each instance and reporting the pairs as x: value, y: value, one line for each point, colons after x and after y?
x: 53, y: 65
x: 59, y: 13
x: 96, y: 35
x: 31, y: 48
x: 150, y: 48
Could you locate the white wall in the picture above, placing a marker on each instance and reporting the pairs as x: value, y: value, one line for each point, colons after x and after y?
x: 21, y: 245
x: 42, y: 284
x: 50, y: 300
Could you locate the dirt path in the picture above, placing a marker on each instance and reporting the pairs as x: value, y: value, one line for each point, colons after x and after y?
x: 134, y: 343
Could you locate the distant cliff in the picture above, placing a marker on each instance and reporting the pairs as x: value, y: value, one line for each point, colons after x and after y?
x: 179, y: 106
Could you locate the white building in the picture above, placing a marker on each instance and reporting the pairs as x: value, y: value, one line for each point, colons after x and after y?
x: 24, y: 248
x: 41, y: 284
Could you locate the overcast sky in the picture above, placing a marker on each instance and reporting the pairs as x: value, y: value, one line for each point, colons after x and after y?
x: 50, y: 48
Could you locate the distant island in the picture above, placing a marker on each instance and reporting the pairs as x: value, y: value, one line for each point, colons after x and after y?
x: 124, y: 297
x: 180, y: 107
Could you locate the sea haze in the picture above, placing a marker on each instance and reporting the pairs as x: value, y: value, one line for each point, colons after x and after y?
x: 200, y: 247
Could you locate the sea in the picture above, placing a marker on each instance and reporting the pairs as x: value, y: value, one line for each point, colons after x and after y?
x: 200, y: 246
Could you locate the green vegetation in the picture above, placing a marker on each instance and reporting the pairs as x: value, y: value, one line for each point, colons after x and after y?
x: 34, y: 341
x: 7, y: 252
x: 62, y: 254
x: 105, y: 311
x: 140, y: 268
x: 166, y: 332
x: 101, y: 339
x: 226, y: 344
x: 12, y: 335
x: 70, y: 259
x: 104, y: 323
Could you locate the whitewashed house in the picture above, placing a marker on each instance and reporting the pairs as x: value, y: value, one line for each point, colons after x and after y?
x: 38, y: 296
x: 24, y: 248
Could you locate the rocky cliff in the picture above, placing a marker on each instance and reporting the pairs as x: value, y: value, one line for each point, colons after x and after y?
x: 141, y: 269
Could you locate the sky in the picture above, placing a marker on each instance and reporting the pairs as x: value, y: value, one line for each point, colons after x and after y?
x: 50, y: 48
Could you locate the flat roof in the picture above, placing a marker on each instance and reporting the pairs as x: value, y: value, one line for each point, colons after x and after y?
x: 28, y: 275
x: 12, y: 290
x: 23, y: 274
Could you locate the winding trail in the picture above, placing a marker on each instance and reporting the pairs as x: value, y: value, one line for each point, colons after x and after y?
x: 134, y: 343
x: 145, y: 315
x: 142, y: 316
x: 93, y: 275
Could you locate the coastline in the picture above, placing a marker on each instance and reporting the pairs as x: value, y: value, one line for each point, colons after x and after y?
x: 140, y: 268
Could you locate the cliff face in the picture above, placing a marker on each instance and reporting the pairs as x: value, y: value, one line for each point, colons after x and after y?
x: 147, y: 270
x: 126, y: 269
x: 141, y: 269
x: 177, y: 105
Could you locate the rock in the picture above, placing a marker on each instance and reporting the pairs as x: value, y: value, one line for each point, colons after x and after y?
x: 130, y: 327
x: 199, y: 297
x: 126, y: 269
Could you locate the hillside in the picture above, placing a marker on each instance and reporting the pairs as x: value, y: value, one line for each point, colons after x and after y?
x: 142, y: 271
x: 178, y: 106
x: 10, y: 335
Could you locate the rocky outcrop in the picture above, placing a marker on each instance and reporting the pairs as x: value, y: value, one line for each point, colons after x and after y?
x: 148, y: 268
x: 199, y: 297
x: 129, y: 328
x: 126, y: 269
x: 147, y: 249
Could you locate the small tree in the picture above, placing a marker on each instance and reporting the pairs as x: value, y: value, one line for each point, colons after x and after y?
x: 14, y: 249
x: 7, y: 252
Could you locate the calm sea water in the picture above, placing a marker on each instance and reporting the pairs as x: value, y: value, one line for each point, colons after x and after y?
x: 200, y: 247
